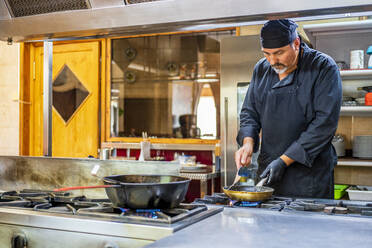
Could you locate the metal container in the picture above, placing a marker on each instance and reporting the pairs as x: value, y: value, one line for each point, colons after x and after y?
x: 360, y: 193
x: 338, y: 143
x: 362, y: 146
x: 104, y: 153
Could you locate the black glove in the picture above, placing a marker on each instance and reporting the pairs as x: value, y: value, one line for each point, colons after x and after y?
x: 275, y: 170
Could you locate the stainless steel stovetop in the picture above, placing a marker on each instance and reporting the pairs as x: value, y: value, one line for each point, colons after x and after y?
x: 33, y: 218
x: 315, y: 205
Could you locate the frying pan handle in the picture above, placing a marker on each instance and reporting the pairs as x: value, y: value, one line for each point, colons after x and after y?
x: 86, y: 187
x: 108, y: 180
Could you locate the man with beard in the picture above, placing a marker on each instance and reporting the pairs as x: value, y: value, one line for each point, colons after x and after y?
x: 294, y: 100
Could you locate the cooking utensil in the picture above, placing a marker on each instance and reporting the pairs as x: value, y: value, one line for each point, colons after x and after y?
x: 94, y: 172
x: 86, y: 187
x: 147, y: 191
x: 241, y: 172
x: 141, y: 191
x: 262, y: 181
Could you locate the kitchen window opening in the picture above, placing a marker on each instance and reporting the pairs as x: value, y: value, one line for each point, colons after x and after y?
x: 166, y: 85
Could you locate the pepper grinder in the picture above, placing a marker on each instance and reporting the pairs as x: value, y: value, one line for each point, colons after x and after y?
x: 369, y: 52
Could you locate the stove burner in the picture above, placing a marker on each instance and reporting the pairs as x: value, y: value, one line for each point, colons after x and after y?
x: 216, y: 198
x: 148, y: 213
x: 64, y: 203
x: 247, y: 204
x: 15, y: 203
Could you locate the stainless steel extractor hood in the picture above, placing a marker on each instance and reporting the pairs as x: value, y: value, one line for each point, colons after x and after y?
x: 22, y: 20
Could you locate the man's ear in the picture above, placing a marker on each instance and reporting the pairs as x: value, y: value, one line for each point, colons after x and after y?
x: 297, y: 43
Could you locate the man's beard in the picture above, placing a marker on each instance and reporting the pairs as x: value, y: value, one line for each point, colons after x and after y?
x: 277, y: 70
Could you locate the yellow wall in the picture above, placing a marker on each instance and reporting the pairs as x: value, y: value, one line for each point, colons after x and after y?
x: 9, y: 106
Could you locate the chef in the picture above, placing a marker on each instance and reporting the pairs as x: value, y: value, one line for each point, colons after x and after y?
x: 294, y: 100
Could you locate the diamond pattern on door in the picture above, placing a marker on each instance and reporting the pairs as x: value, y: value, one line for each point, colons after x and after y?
x: 68, y: 93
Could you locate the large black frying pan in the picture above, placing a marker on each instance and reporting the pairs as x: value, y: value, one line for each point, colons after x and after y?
x: 143, y: 191
x: 151, y: 191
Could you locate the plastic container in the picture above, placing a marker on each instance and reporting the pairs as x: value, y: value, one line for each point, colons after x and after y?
x: 369, y: 52
x: 340, y: 191
x: 356, y: 59
x: 360, y: 193
x: 187, y: 160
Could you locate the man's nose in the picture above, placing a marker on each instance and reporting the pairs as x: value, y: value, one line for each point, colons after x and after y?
x: 273, y: 59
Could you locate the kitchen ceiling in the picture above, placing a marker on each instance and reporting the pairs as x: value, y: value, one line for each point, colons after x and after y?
x: 55, y: 19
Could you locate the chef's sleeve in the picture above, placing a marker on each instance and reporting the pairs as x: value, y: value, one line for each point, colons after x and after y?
x: 327, y: 98
x: 250, y: 125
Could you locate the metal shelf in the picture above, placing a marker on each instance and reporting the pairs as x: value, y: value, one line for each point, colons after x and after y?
x: 355, y: 27
x: 356, y: 111
x: 361, y: 73
x: 159, y: 146
x: 354, y: 162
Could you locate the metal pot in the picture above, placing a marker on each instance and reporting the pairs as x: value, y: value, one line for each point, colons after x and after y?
x: 248, y: 193
x: 339, y: 145
x: 147, y: 191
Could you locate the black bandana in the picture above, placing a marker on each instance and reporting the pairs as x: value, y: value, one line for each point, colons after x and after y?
x: 278, y: 33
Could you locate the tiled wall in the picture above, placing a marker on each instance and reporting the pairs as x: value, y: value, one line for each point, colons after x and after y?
x: 9, y: 106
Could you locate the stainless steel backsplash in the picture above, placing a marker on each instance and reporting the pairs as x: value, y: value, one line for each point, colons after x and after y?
x: 17, y: 172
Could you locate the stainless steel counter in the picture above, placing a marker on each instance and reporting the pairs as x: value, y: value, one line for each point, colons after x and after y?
x: 265, y: 228
x: 47, y: 229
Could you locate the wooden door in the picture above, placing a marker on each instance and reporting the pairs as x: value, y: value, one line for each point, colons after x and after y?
x: 75, y: 130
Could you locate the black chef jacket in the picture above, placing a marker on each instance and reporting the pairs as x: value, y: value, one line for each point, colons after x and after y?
x: 298, y: 117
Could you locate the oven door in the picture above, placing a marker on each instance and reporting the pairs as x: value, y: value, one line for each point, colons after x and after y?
x: 31, y: 237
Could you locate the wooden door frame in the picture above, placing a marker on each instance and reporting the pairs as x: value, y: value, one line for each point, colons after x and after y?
x: 27, y: 72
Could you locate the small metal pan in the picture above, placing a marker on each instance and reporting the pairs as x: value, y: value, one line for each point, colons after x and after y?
x: 248, y: 193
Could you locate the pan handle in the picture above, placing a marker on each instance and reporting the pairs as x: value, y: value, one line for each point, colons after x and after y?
x: 86, y: 187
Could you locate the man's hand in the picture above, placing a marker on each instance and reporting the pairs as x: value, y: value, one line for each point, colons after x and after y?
x: 275, y: 171
x: 243, y: 156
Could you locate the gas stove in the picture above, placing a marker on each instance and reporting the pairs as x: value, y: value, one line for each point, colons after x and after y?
x: 38, y: 217
x: 320, y: 206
